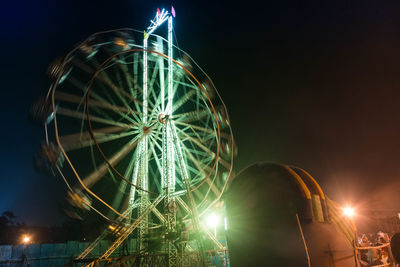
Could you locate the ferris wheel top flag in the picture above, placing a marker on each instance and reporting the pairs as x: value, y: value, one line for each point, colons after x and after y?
x: 160, y: 18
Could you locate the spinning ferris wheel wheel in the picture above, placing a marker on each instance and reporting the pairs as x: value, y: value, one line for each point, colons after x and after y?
x: 143, y: 133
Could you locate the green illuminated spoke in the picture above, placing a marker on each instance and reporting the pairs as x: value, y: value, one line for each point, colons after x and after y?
x: 131, y: 112
x: 154, y: 75
x: 121, y: 94
x: 93, y: 158
x: 127, y: 75
x: 128, y: 78
x: 205, y: 156
x: 136, y: 172
x: 204, y: 138
x: 224, y: 163
x: 198, y: 143
x: 157, y: 110
x: 183, y: 100
x: 156, y: 144
x: 192, y: 85
x: 122, y: 187
x: 135, y: 78
x: 197, y: 175
x: 95, y: 176
x: 185, y: 97
x: 98, y: 102
x: 201, y: 168
x: 202, y: 129
x: 157, y: 160
x: 102, y: 76
x: 194, y: 158
x: 82, y: 115
x: 76, y: 99
x: 136, y: 61
x: 157, y: 107
x: 111, y: 106
x: 202, y: 135
x: 101, y: 113
x: 191, y: 116
x: 199, y: 165
x: 83, y: 139
x: 153, y: 175
x: 77, y: 144
x: 152, y: 145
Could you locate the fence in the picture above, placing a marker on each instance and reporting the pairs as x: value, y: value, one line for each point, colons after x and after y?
x: 49, y: 255
x: 54, y: 255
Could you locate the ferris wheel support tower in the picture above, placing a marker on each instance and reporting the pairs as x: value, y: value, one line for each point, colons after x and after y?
x: 171, y: 150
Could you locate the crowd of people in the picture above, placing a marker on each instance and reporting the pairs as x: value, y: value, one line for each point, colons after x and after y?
x: 374, y: 250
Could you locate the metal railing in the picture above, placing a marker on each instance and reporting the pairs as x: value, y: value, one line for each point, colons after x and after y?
x: 374, y: 256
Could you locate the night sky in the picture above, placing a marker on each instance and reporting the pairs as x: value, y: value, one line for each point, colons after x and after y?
x: 306, y: 83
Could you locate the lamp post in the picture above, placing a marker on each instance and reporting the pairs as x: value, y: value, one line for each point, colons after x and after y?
x: 349, y: 212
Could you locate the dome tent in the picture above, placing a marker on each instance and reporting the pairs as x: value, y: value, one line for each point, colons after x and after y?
x: 279, y: 216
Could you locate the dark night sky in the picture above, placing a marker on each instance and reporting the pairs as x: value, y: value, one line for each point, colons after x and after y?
x: 306, y: 83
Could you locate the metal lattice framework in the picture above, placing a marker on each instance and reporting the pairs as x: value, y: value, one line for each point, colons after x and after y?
x: 144, y: 133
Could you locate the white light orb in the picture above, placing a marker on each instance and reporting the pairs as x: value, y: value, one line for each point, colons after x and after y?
x: 349, y: 212
x: 212, y: 220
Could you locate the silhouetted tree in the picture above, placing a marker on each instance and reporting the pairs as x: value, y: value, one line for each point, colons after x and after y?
x: 7, y: 221
x: 7, y: 218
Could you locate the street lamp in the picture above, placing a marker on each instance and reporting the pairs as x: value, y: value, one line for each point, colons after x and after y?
x: 26, y: 239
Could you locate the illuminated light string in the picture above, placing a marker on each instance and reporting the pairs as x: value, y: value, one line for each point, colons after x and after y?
x: 161, y: 17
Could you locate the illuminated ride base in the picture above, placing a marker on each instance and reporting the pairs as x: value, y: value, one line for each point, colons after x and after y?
x: 146, y: 144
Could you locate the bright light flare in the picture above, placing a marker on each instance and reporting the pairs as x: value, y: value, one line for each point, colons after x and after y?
x: 212, y: 220
x: 348, y: 211
x: 26, y: 239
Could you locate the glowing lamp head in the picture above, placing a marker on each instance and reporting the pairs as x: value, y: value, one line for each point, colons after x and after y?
x: 26, y: 239
x: 212, y: 220
x: 348, y: 211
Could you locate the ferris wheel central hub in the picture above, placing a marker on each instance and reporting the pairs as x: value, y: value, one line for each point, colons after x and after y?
x: 163, y: 118
x: 146, y: 130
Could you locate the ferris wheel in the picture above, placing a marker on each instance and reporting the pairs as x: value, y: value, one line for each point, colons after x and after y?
x: 142, y: 131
